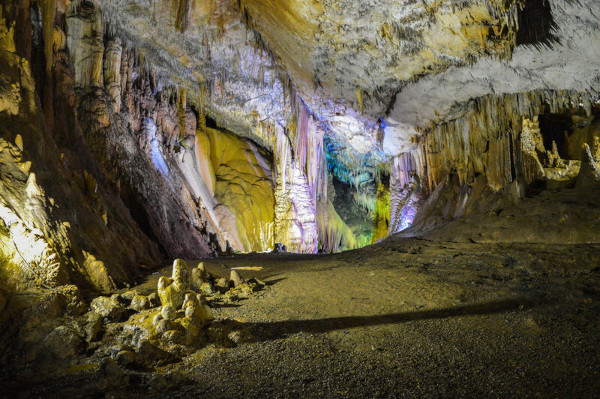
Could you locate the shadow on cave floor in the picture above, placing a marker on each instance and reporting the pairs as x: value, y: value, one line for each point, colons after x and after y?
x: 281, y: 329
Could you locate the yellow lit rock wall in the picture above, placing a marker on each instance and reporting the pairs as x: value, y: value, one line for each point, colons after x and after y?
x: 243, y: 188
x: 381, y: 217
x: 334, y: 234
x: 58, y: 223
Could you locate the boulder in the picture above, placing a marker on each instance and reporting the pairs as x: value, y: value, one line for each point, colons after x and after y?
x: 154, y: 300
x: 151, y: 355
x: 223, y: 284
x: 108, y: 307
x: 207, y: 289
x: 126, y: 358
x: 168, y: 312
x: 128, y: 296
x: 174, y: 337
x: 94, y: 328
x: 235, y: 278
x: 64, y: 342
x: 139, y: 303
x: 166, y: 325
x: 199, y: 276
x: 112, y: 374
x: 195, y: 312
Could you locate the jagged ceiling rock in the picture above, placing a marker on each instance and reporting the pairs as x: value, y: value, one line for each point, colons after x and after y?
x: 350, y: 58
x: 353, y: 62
x: 562, y: 55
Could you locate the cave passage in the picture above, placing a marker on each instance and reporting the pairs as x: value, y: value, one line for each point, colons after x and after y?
x: 299, y: 199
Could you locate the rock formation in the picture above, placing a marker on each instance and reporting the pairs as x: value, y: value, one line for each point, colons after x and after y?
x: 589, y: 173
x: 189, y: 129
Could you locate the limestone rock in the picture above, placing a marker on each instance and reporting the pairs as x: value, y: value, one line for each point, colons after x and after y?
x: 94, y: 327
x: 589, y: 173
x: 151, y: 355
x: 223, y: 283
x: 156, y: 319
x: 194, y: 311
x: 279, y: 248
x: 172, y: 290
x: 154, y: 300
x: 126, y: 358
x: 139, y: 303
x: 596, y: 149
x: 199, y: 276
x: 174, y: 337
x: 168, y: 312
x: 64, y: 342
x: 126, y: 297
x: 166, y: 325
x: 235, y: 278
x: 110, y: 370
x: 108, y: 307
x: 207, y: 288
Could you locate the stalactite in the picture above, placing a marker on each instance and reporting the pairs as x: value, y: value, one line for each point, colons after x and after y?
x: 488, y: 142
x: 48, y: 15
x: 359, y: 97
x: 181, y: 107
x: 182, y: 9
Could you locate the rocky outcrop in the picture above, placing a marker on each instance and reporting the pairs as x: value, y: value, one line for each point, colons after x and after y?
x: 589, y: 173
x: 496, y: 147
x: 171, y: 291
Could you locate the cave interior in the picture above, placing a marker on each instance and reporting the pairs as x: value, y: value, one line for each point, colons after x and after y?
x: 300, y: 198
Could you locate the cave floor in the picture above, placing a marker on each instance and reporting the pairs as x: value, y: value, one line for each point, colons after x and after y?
x: 407, y: 318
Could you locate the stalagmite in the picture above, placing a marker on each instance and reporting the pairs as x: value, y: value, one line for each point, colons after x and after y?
x: 235, y: 278
x: 172, y: 290
x: 589, y: 173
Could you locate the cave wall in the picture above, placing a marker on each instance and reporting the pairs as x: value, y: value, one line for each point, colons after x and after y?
x: 61, y: 222
x: 493, y: 154
x: 120, y: 168
x: 188, y: 129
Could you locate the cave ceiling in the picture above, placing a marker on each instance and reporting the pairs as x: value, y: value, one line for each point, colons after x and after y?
x: 360, y: 67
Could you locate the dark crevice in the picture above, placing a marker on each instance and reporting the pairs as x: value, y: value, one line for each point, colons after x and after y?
x: 553, y: 128
x: 210, y: 122
x: 536, y: 24
x: 140, y: 216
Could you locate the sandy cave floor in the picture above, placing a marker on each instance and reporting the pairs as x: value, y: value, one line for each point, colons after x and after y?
x: 460, y: 312
x: 413, y: 318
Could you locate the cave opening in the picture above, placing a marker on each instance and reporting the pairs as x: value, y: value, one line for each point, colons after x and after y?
x: 354, y: 205
x: 556, y: 128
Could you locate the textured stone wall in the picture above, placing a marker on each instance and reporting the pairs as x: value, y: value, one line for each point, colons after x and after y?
x: 61, y: 222
x: 469, y: 163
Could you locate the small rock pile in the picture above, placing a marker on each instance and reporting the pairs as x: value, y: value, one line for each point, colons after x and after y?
x: 139, y: 331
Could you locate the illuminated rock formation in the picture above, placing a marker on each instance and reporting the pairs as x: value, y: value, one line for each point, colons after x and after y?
x: 171, y: 291
x: 185, y: 129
